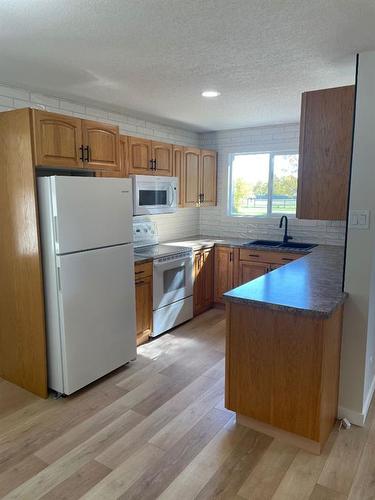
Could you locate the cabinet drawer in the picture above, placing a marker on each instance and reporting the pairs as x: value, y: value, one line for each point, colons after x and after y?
x: 269, y: 257
x: 142, y: 270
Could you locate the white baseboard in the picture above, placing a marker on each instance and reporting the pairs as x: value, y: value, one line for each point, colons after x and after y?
x: 356, y: 417
x: 369, y: 396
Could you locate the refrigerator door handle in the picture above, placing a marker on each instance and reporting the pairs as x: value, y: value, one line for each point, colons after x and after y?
x: 55, y: 228
x: 58, y: 279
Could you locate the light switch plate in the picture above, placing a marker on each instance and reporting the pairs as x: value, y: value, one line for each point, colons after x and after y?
x: 359, y: 219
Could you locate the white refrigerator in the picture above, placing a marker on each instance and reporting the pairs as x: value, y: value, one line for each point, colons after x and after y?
x: 88, y: 271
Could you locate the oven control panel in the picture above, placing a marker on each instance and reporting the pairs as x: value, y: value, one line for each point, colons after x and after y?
x: 178, y: 256
x: 145, y: 233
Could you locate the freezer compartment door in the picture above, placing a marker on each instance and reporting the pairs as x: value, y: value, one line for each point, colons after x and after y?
x: 91, y: 212
x: 97, y: 314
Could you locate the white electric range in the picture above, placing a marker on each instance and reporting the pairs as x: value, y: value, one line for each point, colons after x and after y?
x: 172, y: 277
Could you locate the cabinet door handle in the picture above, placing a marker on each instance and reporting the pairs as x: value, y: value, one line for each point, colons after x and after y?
x: 202, y: 197
x: 81, y: 153
x: 87, y: 151
x: 151, y: 164
x: 155, y: 167
x: 230, y: 257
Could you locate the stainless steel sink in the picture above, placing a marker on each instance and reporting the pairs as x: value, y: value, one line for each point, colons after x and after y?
x: 280, y: 244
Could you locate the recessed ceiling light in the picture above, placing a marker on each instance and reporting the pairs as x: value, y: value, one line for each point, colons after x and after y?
x: 210, y: 93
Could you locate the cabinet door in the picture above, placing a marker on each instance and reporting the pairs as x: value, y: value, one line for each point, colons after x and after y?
x: 203, y: 280
x: 178, y: 171
x: 223, y: 272
x: 57, y: 140
x: 208, y: 278
x: 140, y: 156
x: 143, y: 302
x: 198, y: 282
x: 208, y: 169
x: 101, y: 143
x: 251, y: 270
x: 325, y: 151
x: 124, y: 155
x: 162, y: 155
x: 191, y: 183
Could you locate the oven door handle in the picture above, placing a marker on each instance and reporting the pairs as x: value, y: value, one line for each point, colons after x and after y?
x: 174, y: 263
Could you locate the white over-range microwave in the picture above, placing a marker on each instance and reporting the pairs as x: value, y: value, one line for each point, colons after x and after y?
x: 154, y: 195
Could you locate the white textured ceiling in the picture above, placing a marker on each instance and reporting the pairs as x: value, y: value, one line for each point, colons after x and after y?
x: 154, y: 57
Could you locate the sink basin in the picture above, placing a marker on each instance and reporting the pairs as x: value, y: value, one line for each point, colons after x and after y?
x: 264, y: 243
x: 300, y: 246
x: 280, y: 244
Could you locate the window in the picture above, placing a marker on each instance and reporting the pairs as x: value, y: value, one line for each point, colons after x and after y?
x: 263, y: 184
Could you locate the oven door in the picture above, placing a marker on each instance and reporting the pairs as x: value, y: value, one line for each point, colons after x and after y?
x: 154, y: 195
x: 172, y: 280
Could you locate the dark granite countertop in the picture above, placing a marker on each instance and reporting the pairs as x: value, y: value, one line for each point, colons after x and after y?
x: 309, y: 285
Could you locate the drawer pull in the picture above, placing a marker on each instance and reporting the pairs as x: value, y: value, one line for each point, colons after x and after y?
x: 139, y: 272
x: 139, y: 282
x: 286, y: 258
x: 253, y: 255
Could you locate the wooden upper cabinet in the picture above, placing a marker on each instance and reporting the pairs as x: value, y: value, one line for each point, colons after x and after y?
x: 191, y: 184
x: 178, y: 171
x: 224, y: 271
x: 208, y: 172
x: 325, y: 152
x: 57, y: 140
x: 101, y: 146
x: 140, y: 155
x: 162, y: 154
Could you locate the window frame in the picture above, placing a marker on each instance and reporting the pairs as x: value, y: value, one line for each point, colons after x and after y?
x: 269, y: 214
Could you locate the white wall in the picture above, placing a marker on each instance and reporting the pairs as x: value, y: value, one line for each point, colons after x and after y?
x: 215, y: 221
x: 358, y: 349
x: 183, y: 223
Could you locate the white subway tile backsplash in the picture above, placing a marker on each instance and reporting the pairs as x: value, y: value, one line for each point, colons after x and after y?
x: 42, y: 99
x: 14, y: 92
x: 6, y: 101
x: 72, y: 106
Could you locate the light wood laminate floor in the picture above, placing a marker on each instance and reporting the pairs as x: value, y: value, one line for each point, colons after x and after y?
x: 158, y: 429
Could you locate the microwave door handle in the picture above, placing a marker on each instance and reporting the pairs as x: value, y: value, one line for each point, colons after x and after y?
x: 172, y: 196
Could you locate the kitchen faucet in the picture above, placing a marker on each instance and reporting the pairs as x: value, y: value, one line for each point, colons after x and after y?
x: 286, y: 237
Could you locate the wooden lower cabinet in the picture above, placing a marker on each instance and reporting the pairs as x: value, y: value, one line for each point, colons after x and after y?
x: 224, y: 271
x: 282, y: 372
x: 143, y: 301
x: 203, y: 280
x: 251, y: 270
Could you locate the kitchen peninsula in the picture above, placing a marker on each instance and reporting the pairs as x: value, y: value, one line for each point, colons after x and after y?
x: 283, y: 349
